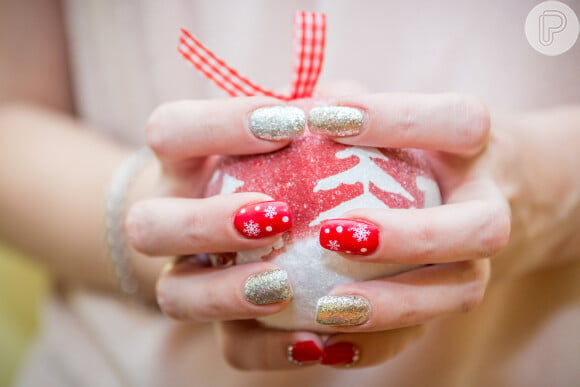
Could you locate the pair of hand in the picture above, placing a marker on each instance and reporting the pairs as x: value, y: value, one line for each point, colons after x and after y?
x: 459, y: 236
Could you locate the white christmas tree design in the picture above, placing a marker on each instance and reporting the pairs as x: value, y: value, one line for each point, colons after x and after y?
x: 229, y: 184
x: 365, y: 172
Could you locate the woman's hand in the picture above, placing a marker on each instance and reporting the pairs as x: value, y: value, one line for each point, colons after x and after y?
x: 458, y: 237
x: 486, y: 188
x: 492, y: 177
x: 473, y: 225
x: 177, y: 221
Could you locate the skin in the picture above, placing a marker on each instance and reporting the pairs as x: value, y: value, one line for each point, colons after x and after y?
x: 497, y: 175
x: 464, y: 236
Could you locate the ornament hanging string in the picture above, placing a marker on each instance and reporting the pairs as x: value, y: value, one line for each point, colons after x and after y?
x: 309, y: 42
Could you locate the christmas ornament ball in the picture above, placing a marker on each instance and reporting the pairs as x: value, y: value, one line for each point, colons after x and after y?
x: 321, y: 179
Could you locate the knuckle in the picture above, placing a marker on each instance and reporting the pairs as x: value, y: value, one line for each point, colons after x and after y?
x: 425, y: 237
x: 409, y: 314
x: 496, y: 232
x: 476, y: 277
x: 214, y: 303
x: 166, y: 300
x: 407, y: 116
x: 473, y: 298
x: 136, y: 227
x: 195, y: 233
x: 156, y: 131
x: 476, y: 124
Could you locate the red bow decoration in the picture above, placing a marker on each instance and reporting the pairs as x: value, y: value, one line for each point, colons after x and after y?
x: 309, y: 42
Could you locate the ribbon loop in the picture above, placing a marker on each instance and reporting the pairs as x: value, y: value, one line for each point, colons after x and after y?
x: 309, y: 43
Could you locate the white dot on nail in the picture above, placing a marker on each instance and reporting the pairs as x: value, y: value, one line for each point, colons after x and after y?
x: 339, y: 229
x: 269, y: 228
x: 327, y: 230
x: 363, y: 250
x: 285, y: 219
x: 243, y: 211
x: 257, y: 208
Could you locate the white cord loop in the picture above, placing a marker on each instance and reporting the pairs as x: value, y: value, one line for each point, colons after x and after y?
x: 115, y: 212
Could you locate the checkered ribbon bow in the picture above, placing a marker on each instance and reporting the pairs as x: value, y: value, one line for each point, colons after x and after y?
x: 309, y: 40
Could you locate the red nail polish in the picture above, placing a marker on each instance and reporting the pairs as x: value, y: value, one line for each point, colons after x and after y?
x: 303, y: 352
x: 349, y: 236
x: 344, y: 354
x: 260, y: 220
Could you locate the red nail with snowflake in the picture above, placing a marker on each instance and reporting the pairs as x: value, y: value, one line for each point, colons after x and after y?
x: 261, y: 220
x: 349, y: 236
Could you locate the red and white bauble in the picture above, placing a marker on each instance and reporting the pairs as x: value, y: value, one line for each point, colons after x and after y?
x: 321, y: 180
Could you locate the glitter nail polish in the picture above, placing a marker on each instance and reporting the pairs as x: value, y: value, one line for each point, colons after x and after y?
x: 277, y: 122
x: 337, y: 121
x: 268, y: 287
x: 342, y: 310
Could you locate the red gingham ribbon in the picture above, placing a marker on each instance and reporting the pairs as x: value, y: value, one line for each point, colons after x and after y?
x: 309, y: 41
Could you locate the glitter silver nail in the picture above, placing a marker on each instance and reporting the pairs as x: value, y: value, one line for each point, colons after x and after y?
x: 277, y: 122
x: 342, y: 310
x: 338, y: 121
x: 268, y: 287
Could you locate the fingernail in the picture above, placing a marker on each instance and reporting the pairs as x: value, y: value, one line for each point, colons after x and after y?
x: 277, y: 122
x: 268, y: 287
x: 304, y: 352
x: 344, y: 354
x: 261, y: 220
x: 349, y: 236
x: 342, y: 310
x: 338, y: 121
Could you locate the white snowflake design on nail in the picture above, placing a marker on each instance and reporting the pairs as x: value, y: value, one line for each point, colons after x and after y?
x: 333, y: 245
x: 360, y: 232
x: 251, y: 228
x: 270, y: 212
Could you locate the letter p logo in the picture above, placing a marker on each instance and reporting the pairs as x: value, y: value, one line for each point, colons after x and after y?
x: 552, y: 28
x: 552, y: 22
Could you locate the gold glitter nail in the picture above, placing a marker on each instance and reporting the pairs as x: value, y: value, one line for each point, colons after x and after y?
x: 268, y: 287
x: 277, y: 122
x: 342, y: 310
x: 338, y: 121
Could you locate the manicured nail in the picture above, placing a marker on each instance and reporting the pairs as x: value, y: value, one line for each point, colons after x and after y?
x: 338, y: 121
x: 260, y: 220
x: 268, y: 287
x: 344, y: 354
x: 349, y: 236
x: 342, y: 310
x: 304, y: 352
x: 277, y: 122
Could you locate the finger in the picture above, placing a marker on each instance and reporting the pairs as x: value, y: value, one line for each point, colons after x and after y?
x: 172, y: 226
x: 445, y: 122
x: 247, y: 345
x: 478, y: 227
x: 182, y: 130
x: 187, y: 292
x: 366, y: 349
x: 408, y: 299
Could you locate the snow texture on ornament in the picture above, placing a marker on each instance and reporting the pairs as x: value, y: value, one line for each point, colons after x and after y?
x: 320, y: 180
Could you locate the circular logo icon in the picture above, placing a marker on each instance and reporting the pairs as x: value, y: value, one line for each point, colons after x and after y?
x: 552, y: 28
